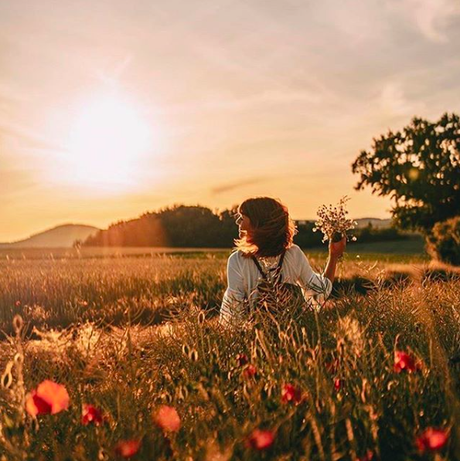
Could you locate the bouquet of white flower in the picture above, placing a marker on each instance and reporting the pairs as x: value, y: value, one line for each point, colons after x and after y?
x: 333, y: 222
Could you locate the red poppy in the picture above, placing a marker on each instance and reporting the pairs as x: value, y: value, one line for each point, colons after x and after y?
x: 127, y: 448
x: 91, y: 414
x: 167, y: 419
x: 48, y: 398
x: 369, y: 456
x: 291, y: 394
x: 405, y: 362
x: 261, y: 440
x: 432, y: 439
x: 250, y: 371
x: 242, y: 359
x: 338, y: 384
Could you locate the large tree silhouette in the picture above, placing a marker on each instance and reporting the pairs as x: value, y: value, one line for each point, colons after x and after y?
x: 419, y: 167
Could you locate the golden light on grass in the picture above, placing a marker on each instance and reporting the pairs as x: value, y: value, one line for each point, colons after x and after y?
x: 108, y: 141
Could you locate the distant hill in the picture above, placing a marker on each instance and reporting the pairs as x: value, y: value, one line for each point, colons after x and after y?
x: 376, y: 222
x: 58, y: 237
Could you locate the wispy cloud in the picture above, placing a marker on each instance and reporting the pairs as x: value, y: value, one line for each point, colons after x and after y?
x: 394, y: 101
x: 253, y: 101
x: 24, y: 138
x: 239, y: 184
x: 432, y: 17
x: 112, y: 73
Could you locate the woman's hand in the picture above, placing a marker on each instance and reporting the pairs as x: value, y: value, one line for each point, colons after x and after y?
x: 336, y: 249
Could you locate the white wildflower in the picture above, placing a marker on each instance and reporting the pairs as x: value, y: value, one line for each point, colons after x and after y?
x: 333, y: 220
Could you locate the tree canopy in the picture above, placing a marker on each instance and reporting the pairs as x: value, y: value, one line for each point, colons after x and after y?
x: 418, y: 167
x: 178, y: 226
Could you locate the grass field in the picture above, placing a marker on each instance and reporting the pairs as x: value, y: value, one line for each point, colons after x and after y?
x: 135, y: 335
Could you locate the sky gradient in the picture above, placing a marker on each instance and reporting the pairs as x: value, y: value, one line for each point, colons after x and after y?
x: 241, y: 98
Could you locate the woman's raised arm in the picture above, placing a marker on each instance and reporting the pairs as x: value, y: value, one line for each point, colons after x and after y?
x: 336, y: 250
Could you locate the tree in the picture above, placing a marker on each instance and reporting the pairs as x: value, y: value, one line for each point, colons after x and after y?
x: 418, y: 167
x: 178, y: 226
x: 444, y: 241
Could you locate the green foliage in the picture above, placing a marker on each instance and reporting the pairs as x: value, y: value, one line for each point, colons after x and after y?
x: 443, y: 243
x: 419, y: 167
x: 306, y: 238
x: 370, y: 234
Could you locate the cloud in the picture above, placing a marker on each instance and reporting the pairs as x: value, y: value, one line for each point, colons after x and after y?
x: 113, y: 73
x: 431, y: 16
x: 254, y: 101
x: 394, y: 101
x: 26, y: 138
x: 237, y: 184
x: 16, y: 183
x: 10, y: 95
x: 359, y: 23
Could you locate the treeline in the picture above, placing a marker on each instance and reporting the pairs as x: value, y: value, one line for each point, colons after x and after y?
x: 199, y: 227
x: 179, y: 226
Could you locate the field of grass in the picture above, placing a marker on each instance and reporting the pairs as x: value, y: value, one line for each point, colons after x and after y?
x: 136, y: 337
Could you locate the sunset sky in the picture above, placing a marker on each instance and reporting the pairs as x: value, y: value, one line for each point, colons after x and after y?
x: 111, y: 108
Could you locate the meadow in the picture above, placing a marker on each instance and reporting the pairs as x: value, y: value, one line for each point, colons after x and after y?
x: 141, y: 369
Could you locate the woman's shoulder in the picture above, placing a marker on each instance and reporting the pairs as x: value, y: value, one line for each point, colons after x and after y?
x: 296, y: 256
x: 295, y: 251
x: 236, y: 257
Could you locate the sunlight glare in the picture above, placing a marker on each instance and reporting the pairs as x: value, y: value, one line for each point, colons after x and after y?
x: 107, y: 142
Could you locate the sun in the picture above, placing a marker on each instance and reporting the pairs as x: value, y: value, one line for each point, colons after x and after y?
x: 108, y: 142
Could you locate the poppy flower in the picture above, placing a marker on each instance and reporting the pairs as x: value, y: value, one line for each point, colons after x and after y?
x: 167, y: 419
x: 405, y: 362
x: 91, y: 414
x: 127, y: 448
x: 338, y: 384
x: 369, y: 456
x: 432, y: 439
x: 261, y: 440
x: 48, y: 398
x: 250, y: 371
x: 242, y: 359
x: 291, y: 394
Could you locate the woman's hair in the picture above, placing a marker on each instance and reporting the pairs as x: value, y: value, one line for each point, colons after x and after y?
x: 272, y: 229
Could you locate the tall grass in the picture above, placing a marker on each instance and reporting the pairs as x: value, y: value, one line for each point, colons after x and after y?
x: 352, y: 403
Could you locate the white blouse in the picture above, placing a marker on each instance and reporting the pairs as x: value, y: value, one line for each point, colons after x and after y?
x: 243, y: 277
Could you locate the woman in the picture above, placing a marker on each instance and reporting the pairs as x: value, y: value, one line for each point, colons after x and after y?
x: 266, y: 243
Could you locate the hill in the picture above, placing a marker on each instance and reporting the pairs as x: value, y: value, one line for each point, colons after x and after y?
x: 58, y: 237
x: 376, y: 222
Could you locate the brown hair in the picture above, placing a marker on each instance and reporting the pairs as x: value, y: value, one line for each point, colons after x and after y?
x: 272, y: 229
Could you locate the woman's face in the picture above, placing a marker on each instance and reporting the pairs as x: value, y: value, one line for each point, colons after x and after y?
x: 244, y: 223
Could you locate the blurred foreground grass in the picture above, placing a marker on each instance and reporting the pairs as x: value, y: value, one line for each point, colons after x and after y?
x: 130, y: 334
